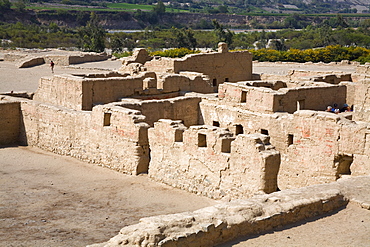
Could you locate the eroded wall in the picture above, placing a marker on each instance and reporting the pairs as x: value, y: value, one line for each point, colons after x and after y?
x: 219, y: 66
x: 267, y: 100
x: 108, y: 135
x: 185, y: 109
x: 82, y: 93
x: 314, y: 145
x: 210, y: 161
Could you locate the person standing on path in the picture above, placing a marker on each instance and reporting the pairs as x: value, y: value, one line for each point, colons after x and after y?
x: 52, y: 66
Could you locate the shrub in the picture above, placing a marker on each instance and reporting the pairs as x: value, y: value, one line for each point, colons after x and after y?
x: 122, y: 54
x: 178, y: 52
x: 328, y: 54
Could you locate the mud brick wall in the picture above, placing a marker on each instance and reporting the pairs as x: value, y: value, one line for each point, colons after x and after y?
x: 185, y: 109
x: 266, y: 100
x: 228, y: 66
x: 210, y: 161
x: 9, y: 122
x: 160, y: 65
x: 60, y: 90
x: 221, y: 67
x: 316, y: 147
x: 194, y: 82
x: 88, y: 57
x: 110, y: 136
x: 80, y: 93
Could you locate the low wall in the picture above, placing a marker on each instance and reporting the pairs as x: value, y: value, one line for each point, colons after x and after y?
x: 60, y: 60
x: 227, y: 221
x: 30, y: 62
x: 185, y: 109
x: 12, y: 57
x: 210, y: 161
x: 88, y: 57
x: 267, y: 100
x: 185, y: 81
x: 9, y: 122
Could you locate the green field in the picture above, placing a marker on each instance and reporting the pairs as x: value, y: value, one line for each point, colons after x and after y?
x: 129, y: 6
x: 110, y: 7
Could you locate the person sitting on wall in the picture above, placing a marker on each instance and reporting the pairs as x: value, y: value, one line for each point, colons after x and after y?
x: 346, y: 108
x: 329, y: 108
x: 335, y: 109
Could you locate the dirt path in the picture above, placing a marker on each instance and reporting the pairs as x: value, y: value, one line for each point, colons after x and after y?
x: 52, y: 200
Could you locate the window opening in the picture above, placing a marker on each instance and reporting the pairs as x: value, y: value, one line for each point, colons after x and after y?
x: 216, y: 123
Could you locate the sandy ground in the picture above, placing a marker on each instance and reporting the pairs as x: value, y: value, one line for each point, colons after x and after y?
x: 52, y: 200
x: 27, y: 79
x: 349, y: 227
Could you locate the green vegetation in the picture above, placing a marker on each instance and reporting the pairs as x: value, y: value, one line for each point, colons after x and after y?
x: 129, y: 6
x: 92, y: 36
x: 222, y: 35
x: 178, y: 52
x: 339, y: 43
x: 34, y: 36
x: 328, y: 54
x: 217, y: 6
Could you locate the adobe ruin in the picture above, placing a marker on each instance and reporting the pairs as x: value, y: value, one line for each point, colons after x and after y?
x: 203, y: 123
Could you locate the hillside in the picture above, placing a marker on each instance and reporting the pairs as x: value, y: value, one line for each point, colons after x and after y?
x: 216, y: 6
x: 126, y: 20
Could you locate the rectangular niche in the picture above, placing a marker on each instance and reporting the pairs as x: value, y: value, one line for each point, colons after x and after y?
x: 226, y: 145
x: 202, y: 140
x: 239, y: 129
x: 264, y: 132
x: 290, y: 139
x: 107, y: 117
x: 179, y: 135
x: 243, y: 97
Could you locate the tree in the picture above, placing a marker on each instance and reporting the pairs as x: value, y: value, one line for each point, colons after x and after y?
x: 159, y: 9
x: 223, y: 9
x: 92, y: 36
x: 20, y: 5
x: 5, y: 5
x: 184, y: 38
x: 222, y: 35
